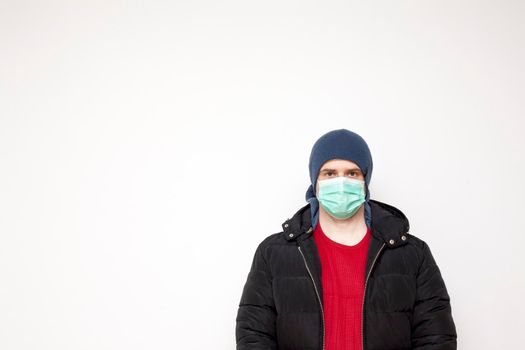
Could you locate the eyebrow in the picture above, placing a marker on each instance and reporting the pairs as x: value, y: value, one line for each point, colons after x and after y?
x: 351, y: 169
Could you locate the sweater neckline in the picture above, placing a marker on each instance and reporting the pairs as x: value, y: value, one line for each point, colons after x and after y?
x: 320, y: 233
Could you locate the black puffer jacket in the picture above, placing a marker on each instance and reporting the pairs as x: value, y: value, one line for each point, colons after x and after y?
x: 405, y: 306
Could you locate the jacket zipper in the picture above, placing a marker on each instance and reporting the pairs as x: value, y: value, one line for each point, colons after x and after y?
x: 364, y: 296
x: 316, y: 291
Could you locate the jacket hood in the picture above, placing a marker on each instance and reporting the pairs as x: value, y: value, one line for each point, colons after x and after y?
x: 388, y: 224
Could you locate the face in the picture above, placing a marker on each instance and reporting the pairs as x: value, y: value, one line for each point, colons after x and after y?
x: 339, y: 167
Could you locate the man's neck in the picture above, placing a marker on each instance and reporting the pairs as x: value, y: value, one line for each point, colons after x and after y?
x: 349, y: 231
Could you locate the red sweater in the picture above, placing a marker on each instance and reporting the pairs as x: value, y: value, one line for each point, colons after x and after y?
x: 343, y: 282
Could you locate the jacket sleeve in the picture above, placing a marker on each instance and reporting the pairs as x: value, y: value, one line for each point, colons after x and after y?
x: 256, y: 316
x: 433, y: 327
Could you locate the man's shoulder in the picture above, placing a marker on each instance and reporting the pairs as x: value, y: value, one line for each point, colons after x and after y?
x: 274, y: 244
x: 416, y: 241
x: 274, y: 239
x: 421, y: 246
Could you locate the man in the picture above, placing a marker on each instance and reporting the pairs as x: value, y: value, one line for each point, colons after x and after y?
x: 344, y: 273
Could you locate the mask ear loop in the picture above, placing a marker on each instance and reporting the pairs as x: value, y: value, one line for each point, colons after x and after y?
x: 368, y: 209
x: 367, y: 192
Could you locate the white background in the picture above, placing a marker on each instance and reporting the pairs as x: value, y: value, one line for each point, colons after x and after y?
x: 147, y: 147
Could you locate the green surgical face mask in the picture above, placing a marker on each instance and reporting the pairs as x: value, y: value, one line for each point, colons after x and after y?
x: 341, y: 197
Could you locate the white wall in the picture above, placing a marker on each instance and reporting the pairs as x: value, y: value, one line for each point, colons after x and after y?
x: 146, y: 148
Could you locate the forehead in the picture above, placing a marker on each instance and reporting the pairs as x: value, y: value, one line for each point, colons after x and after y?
x: 339, y: 164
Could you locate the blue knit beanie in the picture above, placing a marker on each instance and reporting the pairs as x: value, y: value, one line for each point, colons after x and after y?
x: 339, y: 144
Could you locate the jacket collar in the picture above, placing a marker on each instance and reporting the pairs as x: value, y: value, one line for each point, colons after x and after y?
x: 389, y: 224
